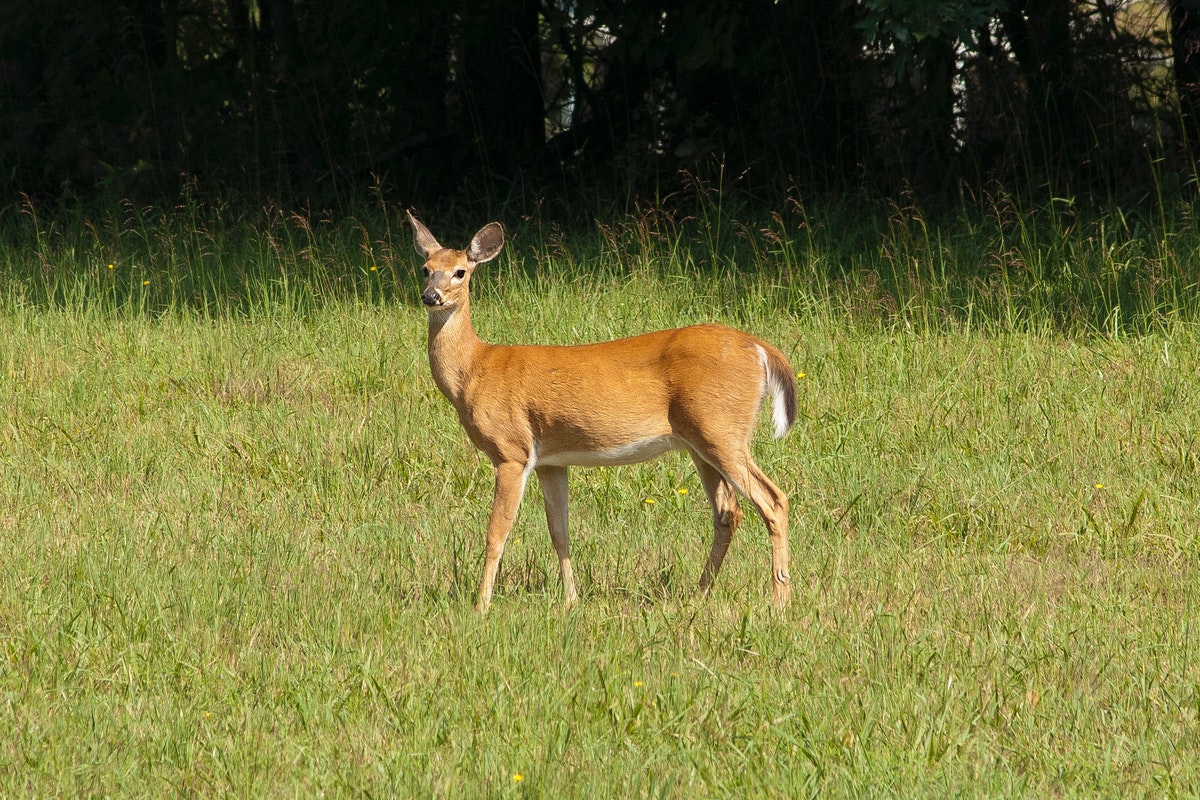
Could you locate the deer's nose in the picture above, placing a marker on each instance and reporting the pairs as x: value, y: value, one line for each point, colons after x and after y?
x: 431, y: 297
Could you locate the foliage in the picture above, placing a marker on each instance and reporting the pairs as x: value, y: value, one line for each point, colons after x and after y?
x: 906, y: 23
x: 554, y: 101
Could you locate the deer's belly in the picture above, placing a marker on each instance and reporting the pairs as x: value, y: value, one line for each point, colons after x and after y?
x: 628, y: 453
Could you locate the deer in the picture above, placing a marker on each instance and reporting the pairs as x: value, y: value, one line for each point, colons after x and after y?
x: 543, y: 408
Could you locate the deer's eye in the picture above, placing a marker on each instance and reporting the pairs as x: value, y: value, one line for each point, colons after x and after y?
x: 425, y: 273
x: 460, y: 273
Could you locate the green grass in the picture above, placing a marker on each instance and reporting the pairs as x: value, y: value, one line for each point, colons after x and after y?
x: 241, y: 531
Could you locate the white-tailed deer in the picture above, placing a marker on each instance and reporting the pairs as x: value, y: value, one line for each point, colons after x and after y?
x: 543, y: 408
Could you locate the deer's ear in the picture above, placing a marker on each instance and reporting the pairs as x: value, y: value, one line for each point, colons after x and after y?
x: 422, y: 238
x: 486, y: 244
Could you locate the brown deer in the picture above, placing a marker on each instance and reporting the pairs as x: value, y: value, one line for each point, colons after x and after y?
x: 543, y: 408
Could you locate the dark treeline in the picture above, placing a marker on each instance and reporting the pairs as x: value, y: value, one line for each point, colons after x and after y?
x: 554, y: 100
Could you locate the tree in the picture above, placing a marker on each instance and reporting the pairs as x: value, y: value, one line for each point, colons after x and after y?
x: 1185, y: 50
x: 502, y: 81
x: 1039, y: 32
x: 306, y: 101
x: 919, y: 124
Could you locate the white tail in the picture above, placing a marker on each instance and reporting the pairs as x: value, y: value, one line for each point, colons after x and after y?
x: 537, y: 408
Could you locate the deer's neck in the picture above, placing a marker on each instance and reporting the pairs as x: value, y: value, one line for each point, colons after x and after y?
x: 453, y: 345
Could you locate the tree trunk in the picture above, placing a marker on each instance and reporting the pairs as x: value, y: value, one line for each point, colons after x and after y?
x: 1185, y: 47
x: 1040, y: 34
x: 502, y: 79
x: 933, y: 120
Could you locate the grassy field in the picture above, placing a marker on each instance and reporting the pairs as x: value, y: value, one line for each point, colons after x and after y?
x: 241, y: 531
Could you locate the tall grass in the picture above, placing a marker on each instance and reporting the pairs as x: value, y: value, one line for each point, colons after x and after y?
x: 242, y: 531
x: 997, y: 263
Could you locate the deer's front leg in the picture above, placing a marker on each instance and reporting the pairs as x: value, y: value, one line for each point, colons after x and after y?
x: 554, y: 492
x: 510, y: 485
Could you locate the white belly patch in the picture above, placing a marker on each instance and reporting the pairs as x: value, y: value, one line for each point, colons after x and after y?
x: 631, y: 453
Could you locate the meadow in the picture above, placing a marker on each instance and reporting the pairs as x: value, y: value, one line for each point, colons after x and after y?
x: 241, y: 532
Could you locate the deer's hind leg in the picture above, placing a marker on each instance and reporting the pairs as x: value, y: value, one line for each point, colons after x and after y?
x: 739, y: 471
x: 727, y: 515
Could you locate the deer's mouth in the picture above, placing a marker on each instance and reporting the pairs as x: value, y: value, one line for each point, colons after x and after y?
x: 432, y: 298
